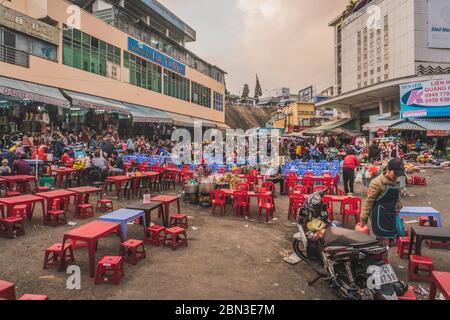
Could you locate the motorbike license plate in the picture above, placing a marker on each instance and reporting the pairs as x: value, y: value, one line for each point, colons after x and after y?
x: 386, y: 275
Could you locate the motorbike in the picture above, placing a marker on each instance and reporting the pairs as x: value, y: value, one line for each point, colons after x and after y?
x: 354, y: 264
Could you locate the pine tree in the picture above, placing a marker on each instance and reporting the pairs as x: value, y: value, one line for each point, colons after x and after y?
x: 245, y: 92
x: 258, y: 89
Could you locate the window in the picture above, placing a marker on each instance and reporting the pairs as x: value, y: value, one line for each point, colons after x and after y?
x: 88, y: 53
x: 143, y: 73
x: 201, y: 95
x: 218, y: 101
x: 28, y: 44
x: 176, y: 86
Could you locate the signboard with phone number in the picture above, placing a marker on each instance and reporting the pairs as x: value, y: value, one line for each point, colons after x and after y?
x: 425, y: 99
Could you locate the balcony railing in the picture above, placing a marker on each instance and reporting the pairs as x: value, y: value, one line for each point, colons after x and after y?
x: 14, y: 56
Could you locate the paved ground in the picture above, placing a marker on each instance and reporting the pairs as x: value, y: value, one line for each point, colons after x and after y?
x: 227, y: 258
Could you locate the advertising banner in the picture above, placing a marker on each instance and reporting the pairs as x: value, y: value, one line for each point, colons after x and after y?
x: 439, y: 24
x: 425, y: 99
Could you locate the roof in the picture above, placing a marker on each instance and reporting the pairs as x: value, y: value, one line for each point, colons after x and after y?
x: 147, y: 115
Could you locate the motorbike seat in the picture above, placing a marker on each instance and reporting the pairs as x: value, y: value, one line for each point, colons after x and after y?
x: 344, y: 237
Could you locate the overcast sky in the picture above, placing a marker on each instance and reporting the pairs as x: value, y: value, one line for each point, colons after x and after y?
x: 286, y: 42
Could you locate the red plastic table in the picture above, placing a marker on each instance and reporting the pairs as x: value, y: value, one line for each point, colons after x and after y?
x: 118, y: 181
x: 28, y: 199
x: 56, y: 194
x: 441, y: 281
x: 90, y: 234
x: 166, y: 201
x: 13, y: 180
x: 80, y: 191
x: 63, y: 172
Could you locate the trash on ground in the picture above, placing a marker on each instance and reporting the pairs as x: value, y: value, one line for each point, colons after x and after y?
x: 194, y: 228
x: 292, y: 259
x: 71, y: 223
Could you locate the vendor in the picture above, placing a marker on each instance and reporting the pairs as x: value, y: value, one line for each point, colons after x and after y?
x: 383, y: 201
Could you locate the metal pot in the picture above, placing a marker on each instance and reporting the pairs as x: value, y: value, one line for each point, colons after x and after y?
x: 207, y: 187
x: 191, y: 188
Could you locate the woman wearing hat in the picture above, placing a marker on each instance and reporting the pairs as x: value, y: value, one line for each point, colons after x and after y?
x: 5, y: 170
x: 383, y: 201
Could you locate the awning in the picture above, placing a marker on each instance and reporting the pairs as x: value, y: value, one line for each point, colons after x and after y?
x: 142, y: 114
x: 181, y: 119
x: 92, y: 102
x: 326, y: 127
x: 222, y: 126
x: 206, y: 123
x: 32, y: 91
x: 380, y: 124
x: 423, y: 124
x: 346, y: 132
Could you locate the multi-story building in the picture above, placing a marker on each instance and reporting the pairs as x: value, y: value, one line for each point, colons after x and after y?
x: 382, y: 44
x: 127, y: 57
x: 296, y: 117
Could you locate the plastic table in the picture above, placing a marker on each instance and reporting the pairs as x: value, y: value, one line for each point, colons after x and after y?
x: 63, y: 172
x: 80, y: 191
x: 419, y: 234
x: 56, y: 194
x: 123, y: 216
x: 12, y: 180
x: 118, y: 181
x: 28, y: 199
x: 422, y: 212
x: 90, y: 234
x: 148, y: 208
x: 166, y: 201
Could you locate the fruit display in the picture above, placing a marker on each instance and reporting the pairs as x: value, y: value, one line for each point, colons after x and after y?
x: 425, y: 158
x: 231, y: 179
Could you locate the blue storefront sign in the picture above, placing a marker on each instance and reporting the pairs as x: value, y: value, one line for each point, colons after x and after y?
x: 157, y: 57
x: 425, y: 99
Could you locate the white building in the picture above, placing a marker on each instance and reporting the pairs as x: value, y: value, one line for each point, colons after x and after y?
x: 382, y: 44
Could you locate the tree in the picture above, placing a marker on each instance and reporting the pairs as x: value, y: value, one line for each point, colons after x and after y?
x: 245, y: 92
x: 258, y: 89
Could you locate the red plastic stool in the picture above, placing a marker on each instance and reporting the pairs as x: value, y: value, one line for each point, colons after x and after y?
x: 419, y: 264
x: 403, y: 246
x: 12, y: 227
x: 109, y: 265
x: 10, y: 194
x: 27, y: 296
x: 104, y: 205
x: 441, y: 282
x: 179, y: 220
x: 410, y: 295
x: 85, y: 210
x: 19, y: 210
x: 175, y: 239
x: 56, y: 218
x: 42, y: 189
x: 155, y: 235
x: 130, y: 249
x: 7, y: 290
x: 424, y: 221
x: 55, y: 253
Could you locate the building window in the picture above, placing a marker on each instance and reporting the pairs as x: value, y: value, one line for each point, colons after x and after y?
x: 90, y: 54
x: 143, y: 73
x: 218, y: 101
x: 201, y: 95
x: 28, y: 44
x: 176, y: 86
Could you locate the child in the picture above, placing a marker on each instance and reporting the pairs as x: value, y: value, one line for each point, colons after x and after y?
x: 5, y: 170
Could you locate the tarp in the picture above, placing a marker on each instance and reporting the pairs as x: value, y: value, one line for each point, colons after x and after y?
x: 181, y: 120
x: 92, y: 102
x: 326, y: 127
x: 143, y: 114
x: 33, y: 92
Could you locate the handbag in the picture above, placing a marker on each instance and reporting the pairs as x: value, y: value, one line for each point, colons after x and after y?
x: 400, y: 226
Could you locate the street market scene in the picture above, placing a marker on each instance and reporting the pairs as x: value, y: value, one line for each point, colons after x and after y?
x: 129, y: 171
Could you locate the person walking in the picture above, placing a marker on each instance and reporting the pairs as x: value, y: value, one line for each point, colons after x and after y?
x: 383, y: 202
x: 351, y: 162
